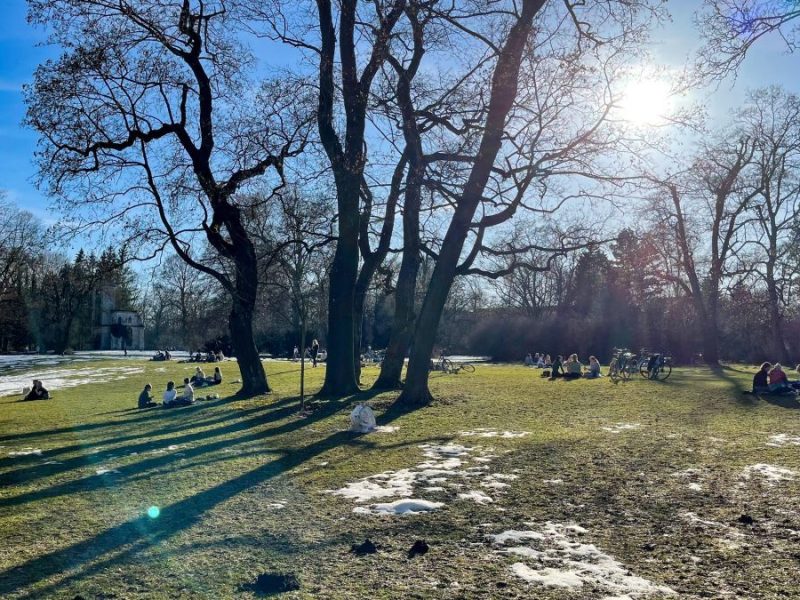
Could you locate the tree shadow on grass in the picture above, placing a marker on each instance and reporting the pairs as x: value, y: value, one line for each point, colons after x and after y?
x: 122, y: 542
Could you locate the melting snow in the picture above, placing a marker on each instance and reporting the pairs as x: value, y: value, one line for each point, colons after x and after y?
x: 476, y: 496
x: 401, y: 507
x: 771, y: 473
x: 385, y: 428
x: 106, y: 471
x: 490, y: 433
x: 620, y: 427
x: 695, y: 487
x: 57, y: 379
x: 783, y: 439
x: 556, y: 559
x: 26, y: 452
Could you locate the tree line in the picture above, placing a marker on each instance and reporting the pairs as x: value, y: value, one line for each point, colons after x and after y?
x: 474, y: 140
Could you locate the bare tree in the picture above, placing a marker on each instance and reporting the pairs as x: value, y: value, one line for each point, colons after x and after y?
x: 732, y: 27
x: 772, y: 117
x: 151, y: 128
x: 544, y: 96
x: 704, y: 212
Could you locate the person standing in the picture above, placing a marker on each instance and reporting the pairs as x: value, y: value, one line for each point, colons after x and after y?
x: 314, y: 352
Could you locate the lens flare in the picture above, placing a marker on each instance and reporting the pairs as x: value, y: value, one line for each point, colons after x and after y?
x: 153, y: 512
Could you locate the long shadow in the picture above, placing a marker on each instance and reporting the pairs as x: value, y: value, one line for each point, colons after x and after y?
x: 95, y: 481
x: 143, y: 532
x: 28, y: 474
x: 178, y: 424
x: 143, y: 415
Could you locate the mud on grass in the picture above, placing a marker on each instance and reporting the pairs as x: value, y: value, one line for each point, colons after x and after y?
x: 679, y: 485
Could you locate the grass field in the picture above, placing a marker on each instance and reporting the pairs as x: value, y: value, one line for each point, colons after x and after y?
x: 553, y: 490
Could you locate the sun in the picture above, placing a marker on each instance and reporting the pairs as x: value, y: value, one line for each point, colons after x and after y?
x: 645, y: 102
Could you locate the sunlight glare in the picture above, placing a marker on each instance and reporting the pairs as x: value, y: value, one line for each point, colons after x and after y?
x: 645, y: 102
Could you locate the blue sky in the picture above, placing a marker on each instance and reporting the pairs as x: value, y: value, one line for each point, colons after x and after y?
x: 21, y: 51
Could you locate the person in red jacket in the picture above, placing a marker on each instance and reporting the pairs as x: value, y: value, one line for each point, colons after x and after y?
x: 778, y: 382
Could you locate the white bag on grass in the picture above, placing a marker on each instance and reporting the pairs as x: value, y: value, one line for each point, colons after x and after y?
x: 362, y: 419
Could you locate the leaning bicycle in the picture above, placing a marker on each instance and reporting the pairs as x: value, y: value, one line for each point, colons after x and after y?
x: 623, y: 365
x: 657, y: 367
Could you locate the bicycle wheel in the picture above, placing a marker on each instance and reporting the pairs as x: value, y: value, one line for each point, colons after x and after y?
x: 467, y: 368
x: 664, y: 371
x: 613, y: 370
x: 643, y: 371
x: 448, y: 366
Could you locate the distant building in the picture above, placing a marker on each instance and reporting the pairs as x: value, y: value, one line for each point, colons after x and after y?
x: 116, y: 329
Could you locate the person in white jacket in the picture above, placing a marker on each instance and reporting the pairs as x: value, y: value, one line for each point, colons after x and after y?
x: 188, y: 391
x: 171, y: 394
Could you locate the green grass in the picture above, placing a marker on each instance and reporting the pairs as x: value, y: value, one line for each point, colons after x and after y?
x: 67, y: 531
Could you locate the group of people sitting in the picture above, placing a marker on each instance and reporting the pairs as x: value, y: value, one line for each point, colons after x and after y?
x: 572, y: 368
x: 171, y: 399
x: 209, y: 357
x: 37, y: 392
x: 772, y: 379
x: 162, y: 355
x: 539, y: 361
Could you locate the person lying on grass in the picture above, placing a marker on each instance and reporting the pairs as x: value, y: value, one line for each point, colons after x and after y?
x: 146, y: 398
x: 38, y: 392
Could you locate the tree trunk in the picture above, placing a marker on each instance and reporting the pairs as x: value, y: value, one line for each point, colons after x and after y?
x: 405, y: 294
x: 402, y: 324
x: 777, y: 343
x: 505, y: 80
x: 340, y: 371
x: 254, y: 378
x: 710, y: 329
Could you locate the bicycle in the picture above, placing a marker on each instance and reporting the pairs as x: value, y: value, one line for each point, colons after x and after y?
x: 445, y: 365
x: 657, y: 367
x: 622, y: 365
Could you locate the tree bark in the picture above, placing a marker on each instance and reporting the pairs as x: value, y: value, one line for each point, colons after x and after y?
x: 340, y: 369
x: 503, y: 94
x: 240, y: 323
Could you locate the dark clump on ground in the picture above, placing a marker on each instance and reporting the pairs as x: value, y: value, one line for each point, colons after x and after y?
x: 368, y: 547
x: 419, y: 548
x: 269, y: 584
x: 746, y: 520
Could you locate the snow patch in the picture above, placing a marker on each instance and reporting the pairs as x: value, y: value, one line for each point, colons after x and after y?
x: 695, y: 487
x: 106, y: 471
x: 492, y: 433
x: 771, y: 473
x: 59, y: 379
x: 277, y: 505
x: 476, y: 496
x: 385, y: 428
x: 401, y: 507
x: 782, y: 439
x: 620, y: 427
x: 556, y: 559
x: 553, y: 481
x: 26, y: 452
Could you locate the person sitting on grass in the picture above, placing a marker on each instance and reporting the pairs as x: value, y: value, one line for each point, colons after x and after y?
x: 38, y: 392
x: 199, y: 378
x: 188, y: 391
x: 593, y: 372
x: 170, y: 395
x: 146, y: 398
x: 529, y: 360
x: 573, y: 369
x: 557, y: 370
x: 547, y: 362
x: 761, y: 379
x: 216, y: 379
x: 778, y: 382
